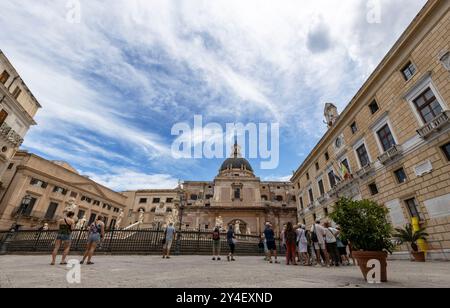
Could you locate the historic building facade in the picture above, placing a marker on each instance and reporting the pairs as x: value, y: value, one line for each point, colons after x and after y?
x: 38, y: 192
x: 391, y: 144
x: 236, y: 196
x: 17, y: 110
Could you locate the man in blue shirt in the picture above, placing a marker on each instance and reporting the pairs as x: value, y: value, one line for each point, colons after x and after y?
x: 168, y: 238
x: 270, y: 240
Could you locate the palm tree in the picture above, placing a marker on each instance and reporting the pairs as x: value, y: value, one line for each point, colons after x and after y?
x: 408, y: 235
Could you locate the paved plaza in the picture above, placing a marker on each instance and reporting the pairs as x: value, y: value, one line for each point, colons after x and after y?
x: 202, y: 272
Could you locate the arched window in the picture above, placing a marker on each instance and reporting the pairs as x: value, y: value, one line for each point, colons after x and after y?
x: 264, y: 198
x: 279, y: 198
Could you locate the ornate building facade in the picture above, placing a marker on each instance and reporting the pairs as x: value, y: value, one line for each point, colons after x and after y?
x: 391, y: 144
x: 236, y: 196
x: 18, y: 107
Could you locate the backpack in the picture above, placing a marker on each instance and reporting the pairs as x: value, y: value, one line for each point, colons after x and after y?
x: 216, y: 235
x: 93, y: 229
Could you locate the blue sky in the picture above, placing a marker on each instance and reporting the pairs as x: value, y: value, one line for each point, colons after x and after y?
x: 113, y: 85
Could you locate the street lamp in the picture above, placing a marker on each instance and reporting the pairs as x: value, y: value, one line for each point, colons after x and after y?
x: 23, y: 207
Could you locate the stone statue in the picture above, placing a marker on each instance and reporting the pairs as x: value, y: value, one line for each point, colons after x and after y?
x: 219, y: 222
x: 81, y: 222
x: 141, y: 216
x: 237, y: 227
x: 249, y: 231
x: 45, y: 227
x: 119, y: 219
x: 161, y: 209
x: 71, y: 206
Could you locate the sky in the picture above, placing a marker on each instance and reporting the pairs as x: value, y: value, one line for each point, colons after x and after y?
x: 114, y: 77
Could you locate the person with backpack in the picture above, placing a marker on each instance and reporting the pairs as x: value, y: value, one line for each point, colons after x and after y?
x: 96, y: 234
x: 290, y: 237
x: 331, y: 244
x: 302, y: 240
x: 216, y: 244
x: 169, y: 236
x: 318, y: 241
x: 269, y: 235
x: 231, y: 239
x: 64, y: 237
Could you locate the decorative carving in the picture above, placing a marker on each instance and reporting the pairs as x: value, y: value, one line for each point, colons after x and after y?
x: 10, y: 135
x: 71, y: 206
x: 119, y: 219
x: 331, y: 114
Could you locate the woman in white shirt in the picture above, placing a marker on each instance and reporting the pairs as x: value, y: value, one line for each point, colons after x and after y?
x: 331, y: 243
x: 302, y: 241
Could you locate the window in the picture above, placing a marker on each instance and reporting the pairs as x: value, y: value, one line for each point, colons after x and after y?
x: 363, y: 156
x: 73, y: 194
x: 86, y: 199
x: 39, y: 183
x: 264, y: 198
x: 400, y: 175
x: 321, y: 187
x: 307, y: 176
x: 427, y: 105
x: 279, y: 198
x: 332, y: 178
x: 96, y: 202
x: 327, y: 156
x: 112, y: 225
x: 373, y: 189
x: 81, y: 214
x: 16, y: 92
x: 3, y: 116
x: 354, y: 127
x: 386, y: 138
x: 302, y: 206
x: 413, y: 208
x: 346, y: 164
x: 408, y: 71
x: 156, y: 200
x: 142, y: 200
x: 26, y: 209
x: 60, y: 190
x: 51, y: 210
x: 169, y: 210
x: 92, y: 219
x: 4, y: 77
x: 317, y: 166
x: 374, y: 107
x: 237, y: 193
x: 311, y: 196
x: 325, y: 210
x: 194, y: 197
x: 11, y: 165
x: 169, y: 200
x: 446, y: 150
x: 208, y: 197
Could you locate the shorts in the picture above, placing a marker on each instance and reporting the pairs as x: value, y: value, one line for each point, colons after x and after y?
x: 320, y: 246
x: 94, y: 238
x: 216, y: 245
x: 271, y: 245
x: 168, y: 244
x: 64, y: 237
x: 342, y: 251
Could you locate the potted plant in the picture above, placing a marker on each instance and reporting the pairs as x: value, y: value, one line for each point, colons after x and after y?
x: 408, y: 235
x: 365, y: 225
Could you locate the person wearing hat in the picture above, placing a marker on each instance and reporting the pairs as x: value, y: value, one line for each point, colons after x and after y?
x: 271, y: 245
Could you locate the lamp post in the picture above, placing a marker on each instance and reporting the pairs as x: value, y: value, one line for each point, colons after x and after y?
x: 180, y: 201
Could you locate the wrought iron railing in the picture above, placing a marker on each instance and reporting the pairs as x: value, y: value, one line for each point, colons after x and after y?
x: 126, y: 242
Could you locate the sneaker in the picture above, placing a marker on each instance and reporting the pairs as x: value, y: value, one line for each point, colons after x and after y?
x: 164, y: 257
x: 218, y: 259
x: 232, y: 259
x: 214, y: 259
x: 228, y: 258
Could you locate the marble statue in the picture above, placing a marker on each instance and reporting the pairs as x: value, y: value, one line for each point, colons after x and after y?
x: 219, y: 222
x: 45, y: 228
x: 249, y: 231
x: 119, y: 219
x: 81, y: 222
x: 71, y: 206
x: 141, y: 216
x: 237, y: 227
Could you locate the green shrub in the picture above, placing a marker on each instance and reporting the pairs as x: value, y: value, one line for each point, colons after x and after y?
x: 364, y: 223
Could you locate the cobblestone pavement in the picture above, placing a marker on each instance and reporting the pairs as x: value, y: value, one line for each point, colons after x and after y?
x: 202, y: 272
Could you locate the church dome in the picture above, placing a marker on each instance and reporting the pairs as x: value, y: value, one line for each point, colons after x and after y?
x: 236, y: 163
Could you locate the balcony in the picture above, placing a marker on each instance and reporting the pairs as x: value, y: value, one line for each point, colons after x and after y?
x: 35, y: 215
x: 10, y: 135
x: 342, y: 186
x: 322, y: 199
x: 311, y: 206
x: 366, y: 170
x: 390, y: 154
x: 435, y: 125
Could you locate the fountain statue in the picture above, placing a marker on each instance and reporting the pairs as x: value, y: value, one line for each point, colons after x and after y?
x: 219, y: 222
x: 119, y: 219
x: 81, y: 222
x: 141, y: 216
x: 237, y: 227
x: 71, y: 206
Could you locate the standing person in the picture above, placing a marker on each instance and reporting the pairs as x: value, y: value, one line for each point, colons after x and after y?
x: 318, y: 239
x: 216, y: 244
x: 169, y: 235
x: 302, y: 240
x: 96, y: 234
x: 290, y: 237
x: 350, y: 249
x: 342, y: 248
x: 283, y: 239
x: 331, y: 243
x: 271, y: 245
x: 266, y: 250
x: 231, y: 239
x: 64, y: 237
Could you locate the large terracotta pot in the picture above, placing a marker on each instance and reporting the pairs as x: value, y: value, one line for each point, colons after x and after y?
x: 364, y: 256
x: 418, y: 256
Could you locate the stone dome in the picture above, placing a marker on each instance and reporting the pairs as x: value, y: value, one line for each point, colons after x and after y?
x: 236, y: 163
